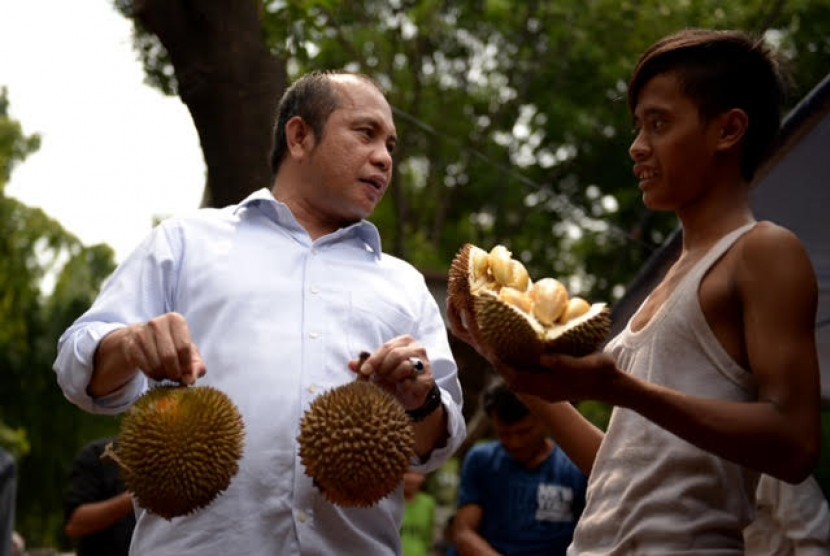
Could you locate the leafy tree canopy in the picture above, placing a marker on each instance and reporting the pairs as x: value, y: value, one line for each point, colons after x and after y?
x: 47, y: 279
x: 512, y: 115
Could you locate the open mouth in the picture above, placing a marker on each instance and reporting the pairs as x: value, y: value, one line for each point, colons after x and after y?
x: 377, y: 183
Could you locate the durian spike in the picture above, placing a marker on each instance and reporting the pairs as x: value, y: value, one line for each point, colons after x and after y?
x: 576, y: 308
x: 500, y: 264
x: 549, y: 300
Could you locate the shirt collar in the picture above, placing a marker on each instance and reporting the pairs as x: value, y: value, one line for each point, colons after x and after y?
x: 364, y: 230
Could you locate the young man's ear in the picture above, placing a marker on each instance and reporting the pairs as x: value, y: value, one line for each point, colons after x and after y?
x: 733, y: 125
x: 299, y: 137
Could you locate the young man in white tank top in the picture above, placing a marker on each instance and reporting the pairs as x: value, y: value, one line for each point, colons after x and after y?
x: 715, y: 379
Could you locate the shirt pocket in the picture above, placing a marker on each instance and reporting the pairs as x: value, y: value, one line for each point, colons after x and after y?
x: 374, y: 319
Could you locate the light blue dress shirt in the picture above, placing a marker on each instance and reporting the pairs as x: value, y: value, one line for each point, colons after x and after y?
x: 276, y: 317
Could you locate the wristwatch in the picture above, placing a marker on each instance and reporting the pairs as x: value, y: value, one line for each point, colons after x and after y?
x: 432, y: 403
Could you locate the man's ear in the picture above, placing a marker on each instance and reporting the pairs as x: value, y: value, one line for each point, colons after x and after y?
x: 299, y: 137
x: 733, y: 125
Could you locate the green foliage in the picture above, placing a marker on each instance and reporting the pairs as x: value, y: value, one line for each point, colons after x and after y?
x: 14, y: 146
x: 512, y: 117
x: 14, y: 441
x: 36, y: 422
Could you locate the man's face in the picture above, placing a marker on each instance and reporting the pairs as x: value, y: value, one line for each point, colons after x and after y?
x: 348, y: 169
x: 524, y: 440
x: 674, y: 149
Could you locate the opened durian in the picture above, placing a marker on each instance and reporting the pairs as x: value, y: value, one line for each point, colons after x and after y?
x: 356, y: 443
x: 521, y: 319
x: 179, y: 448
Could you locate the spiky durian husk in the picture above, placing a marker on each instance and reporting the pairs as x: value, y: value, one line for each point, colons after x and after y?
x: 179, y: 448
x: 356, y: 443
x: 459, y: 289
x: 580, y: 336
x: 519, y: 339
x: 514, y: 337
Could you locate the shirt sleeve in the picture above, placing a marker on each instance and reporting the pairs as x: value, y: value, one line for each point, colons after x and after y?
x: 470, y: 489
x: 141, y: 288
x: 432, y: 334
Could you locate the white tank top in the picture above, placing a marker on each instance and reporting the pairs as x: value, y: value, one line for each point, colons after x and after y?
x: 651, y: 492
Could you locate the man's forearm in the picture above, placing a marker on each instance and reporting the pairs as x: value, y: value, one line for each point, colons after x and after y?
x: 759, y: 435
x: 88, y: 519
x: 112, y: 370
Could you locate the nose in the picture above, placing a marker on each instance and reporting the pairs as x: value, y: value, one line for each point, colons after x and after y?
x: 639, y: 148
x: 382, y: 158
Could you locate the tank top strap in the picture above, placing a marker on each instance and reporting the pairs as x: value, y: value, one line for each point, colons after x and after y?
x: 716, y: 252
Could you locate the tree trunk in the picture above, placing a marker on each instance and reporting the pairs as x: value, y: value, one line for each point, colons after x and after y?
x: 230, y: 82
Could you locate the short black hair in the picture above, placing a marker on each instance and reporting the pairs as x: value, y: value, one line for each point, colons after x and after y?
x: 719, y: 71
x: 500, y: 402
x: 313, y: 97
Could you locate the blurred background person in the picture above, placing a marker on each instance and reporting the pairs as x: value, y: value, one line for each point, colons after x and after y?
x: 520, y: 495
x: 418, y: 528
x: 99, y: 510
x: 790, y: 520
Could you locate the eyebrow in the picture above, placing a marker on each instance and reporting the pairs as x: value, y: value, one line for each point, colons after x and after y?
x: 651, y: 111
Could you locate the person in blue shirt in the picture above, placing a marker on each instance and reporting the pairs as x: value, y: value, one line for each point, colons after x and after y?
x: 520, y: 494
x: 272, y: 301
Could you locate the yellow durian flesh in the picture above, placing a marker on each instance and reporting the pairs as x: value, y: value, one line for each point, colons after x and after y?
x: 550, y: 298
x: 576, y: 307
x: 516, y: 298
x: 500, y: 259
x: 523, y: 319
x: 507, y: 271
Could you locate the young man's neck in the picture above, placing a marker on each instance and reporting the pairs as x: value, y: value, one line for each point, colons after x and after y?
x: 726, y: 208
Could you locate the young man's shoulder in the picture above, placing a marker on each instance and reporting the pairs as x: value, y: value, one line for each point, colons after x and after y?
x: 770, y: 245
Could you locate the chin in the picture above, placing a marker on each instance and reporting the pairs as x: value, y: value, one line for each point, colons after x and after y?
x: 653, y: 203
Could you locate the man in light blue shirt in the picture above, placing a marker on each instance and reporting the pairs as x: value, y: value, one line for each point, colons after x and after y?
x: 271, y: 301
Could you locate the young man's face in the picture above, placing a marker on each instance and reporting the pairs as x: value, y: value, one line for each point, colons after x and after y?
x: 673, y: 149
x: 348, y: 169
x: 524, y: 440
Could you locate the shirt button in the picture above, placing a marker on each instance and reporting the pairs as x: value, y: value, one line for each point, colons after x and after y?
x: 312, y: 389
x: 315, y: 290
x: 302, y: 517
x: 313, y: 335
x: 313, y: 250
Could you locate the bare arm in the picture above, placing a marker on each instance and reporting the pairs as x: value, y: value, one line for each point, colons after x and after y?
x: 465, y: 535
x: 778, y: 434
x: 576, y: 435
x: 97, y: 516
x: 161, y: 348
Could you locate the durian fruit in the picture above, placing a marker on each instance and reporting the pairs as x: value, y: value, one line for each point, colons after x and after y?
x: 519, y: 318
x: 356, y: 442
x: 179, y: 448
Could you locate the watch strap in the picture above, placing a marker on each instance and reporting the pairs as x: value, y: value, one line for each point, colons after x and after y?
x: 432, y: 402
